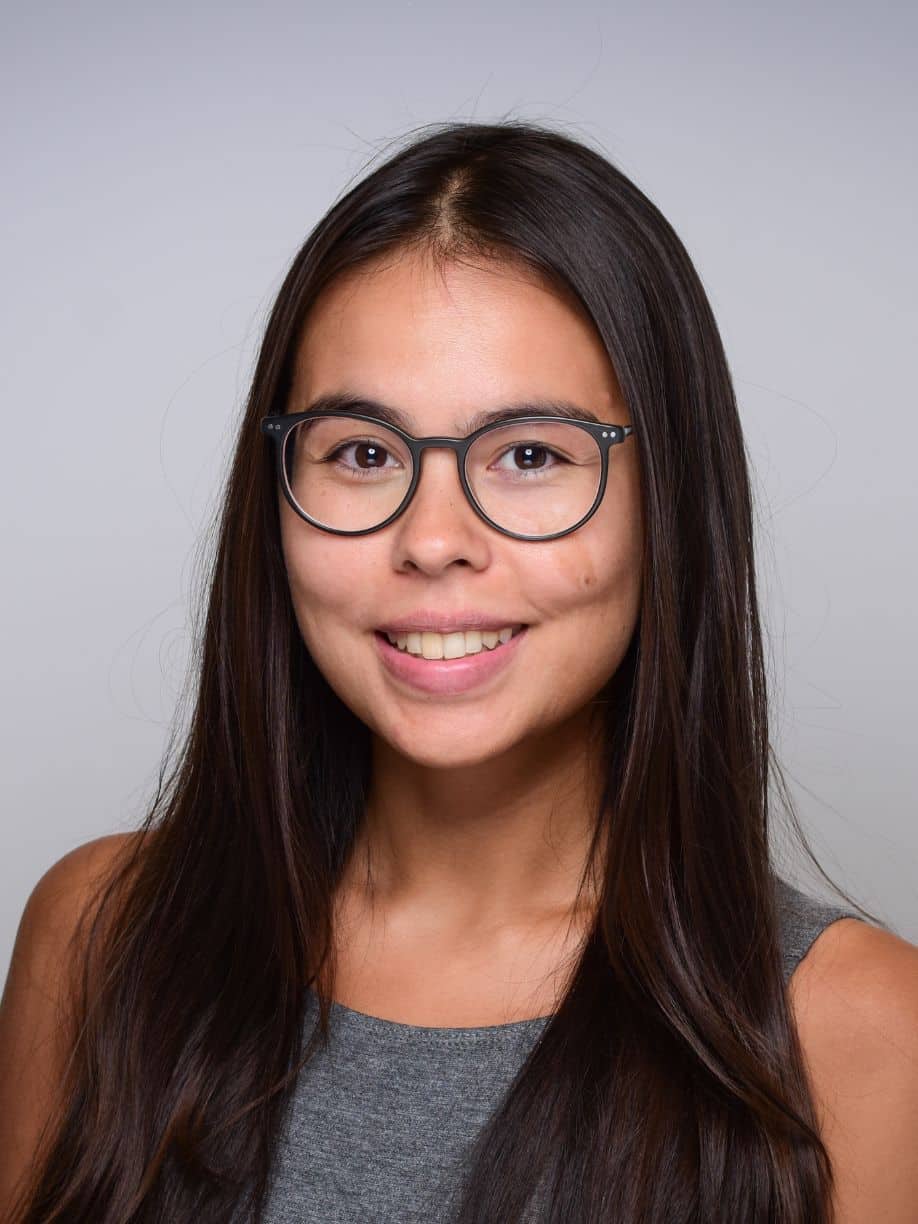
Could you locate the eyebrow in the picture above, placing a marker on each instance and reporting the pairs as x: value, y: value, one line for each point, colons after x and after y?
x: 344, y: 401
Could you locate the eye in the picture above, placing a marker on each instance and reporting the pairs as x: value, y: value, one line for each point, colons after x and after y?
x: 367, y: 455
x: 528, y: 456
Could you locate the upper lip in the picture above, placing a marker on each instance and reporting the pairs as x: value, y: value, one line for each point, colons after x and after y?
x: 443, y: 622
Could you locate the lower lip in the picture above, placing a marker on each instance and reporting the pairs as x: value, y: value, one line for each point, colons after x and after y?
x: 447, y: 676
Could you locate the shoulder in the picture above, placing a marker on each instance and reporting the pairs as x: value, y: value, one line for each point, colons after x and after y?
x: 854, y: 997
x: 77, y: 871
x: 36, y: 1006
x: 66, y: 890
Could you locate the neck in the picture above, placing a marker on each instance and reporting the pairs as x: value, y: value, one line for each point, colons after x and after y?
x: 500, y: 842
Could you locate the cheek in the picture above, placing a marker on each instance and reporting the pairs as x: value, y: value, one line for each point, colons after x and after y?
x: 588, y: 598
x: 322, y: 586
x: 596, y: 575
x: 600, y: 565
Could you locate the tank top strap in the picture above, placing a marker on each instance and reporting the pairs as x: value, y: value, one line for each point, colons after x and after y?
x: 801, y: 919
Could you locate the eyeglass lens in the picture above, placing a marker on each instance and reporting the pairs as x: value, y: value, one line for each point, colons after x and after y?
x: 531, y: 478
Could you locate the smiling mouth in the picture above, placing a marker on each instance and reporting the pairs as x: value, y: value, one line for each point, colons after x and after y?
x: 433, y: 646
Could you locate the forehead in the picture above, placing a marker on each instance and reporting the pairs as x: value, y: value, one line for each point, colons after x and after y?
x: 437, y: 339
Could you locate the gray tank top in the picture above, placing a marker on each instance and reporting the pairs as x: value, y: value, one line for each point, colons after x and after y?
x: 381, y: 1118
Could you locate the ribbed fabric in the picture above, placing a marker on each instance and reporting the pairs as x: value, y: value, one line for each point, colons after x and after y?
x: 382, y: 1117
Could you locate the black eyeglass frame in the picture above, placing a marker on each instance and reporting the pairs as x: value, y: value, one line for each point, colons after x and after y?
x: 278, y: 427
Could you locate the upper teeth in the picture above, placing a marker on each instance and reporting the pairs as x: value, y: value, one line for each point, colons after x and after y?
x: 451, y: 645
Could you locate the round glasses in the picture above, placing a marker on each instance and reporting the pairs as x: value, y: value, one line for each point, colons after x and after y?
x: 532, y: 478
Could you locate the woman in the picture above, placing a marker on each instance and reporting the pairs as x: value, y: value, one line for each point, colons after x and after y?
x: 458, y: 903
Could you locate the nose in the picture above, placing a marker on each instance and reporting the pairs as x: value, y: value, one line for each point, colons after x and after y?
x: 439, y: 526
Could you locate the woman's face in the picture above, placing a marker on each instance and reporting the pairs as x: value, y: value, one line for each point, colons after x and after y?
x: 441, y: 346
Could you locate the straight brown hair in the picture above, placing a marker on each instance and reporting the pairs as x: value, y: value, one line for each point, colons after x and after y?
x: 190, y: 1024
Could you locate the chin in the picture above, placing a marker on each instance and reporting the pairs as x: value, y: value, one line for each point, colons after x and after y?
x: 444, y: 751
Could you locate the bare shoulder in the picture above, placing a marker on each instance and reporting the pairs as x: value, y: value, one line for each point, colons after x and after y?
x: 35, y: 1006
x: 854, y: 997
x: 60, y: 899
x: 77, y: 872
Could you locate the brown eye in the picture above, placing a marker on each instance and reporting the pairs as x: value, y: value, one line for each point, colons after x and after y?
x: 369, y: 455
x: 532, y: 456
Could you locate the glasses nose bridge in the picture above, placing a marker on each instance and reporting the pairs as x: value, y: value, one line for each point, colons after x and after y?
x: 457, y: 445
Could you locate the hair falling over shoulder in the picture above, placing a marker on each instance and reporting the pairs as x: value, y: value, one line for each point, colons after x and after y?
x: 190, y: 1013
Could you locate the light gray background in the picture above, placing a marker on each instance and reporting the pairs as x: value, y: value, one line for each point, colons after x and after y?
x: 163, y: 164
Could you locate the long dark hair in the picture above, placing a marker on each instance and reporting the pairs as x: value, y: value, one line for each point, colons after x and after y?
x: 190, y: 1027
